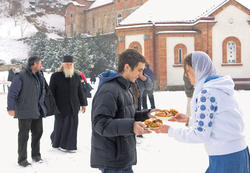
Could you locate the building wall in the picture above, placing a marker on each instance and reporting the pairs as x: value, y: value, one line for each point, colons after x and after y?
x: 77, y: 19
x: 175, y: 73
x: 101, y: 19
x: 143, y: 36
x: 209, y: 38
x: 138, y: 38
x: 232, y: 22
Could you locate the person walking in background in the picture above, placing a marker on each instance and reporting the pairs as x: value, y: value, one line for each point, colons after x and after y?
x: 148, y: 93
x: 65, y: 84
x: 92, y: 74
x: 143, y: 82
x: 189, y: 89
x: 11, y: 74
x: 26, y: 103
x: 216, y: 119
x: 85, y: 85
x: 115, y: 121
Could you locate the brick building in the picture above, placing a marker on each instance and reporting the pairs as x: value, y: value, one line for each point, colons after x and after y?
x: 164, y: 31
x: 97, y: 16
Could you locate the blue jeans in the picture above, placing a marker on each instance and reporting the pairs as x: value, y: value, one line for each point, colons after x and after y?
x: 237, y: 162
x: 128, y: 170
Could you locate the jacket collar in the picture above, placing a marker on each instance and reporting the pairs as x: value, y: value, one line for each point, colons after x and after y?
x: 124, y: 82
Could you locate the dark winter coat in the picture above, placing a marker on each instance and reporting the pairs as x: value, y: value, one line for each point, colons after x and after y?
x: 188, y: 87
x: 11, y: 75
x: 26, y: 95
x: 141, y: 86
x: 92, y: 74
x: 68, y: 93
x: 113, y: 144
x: 149, y: 72
x: 50, y: 102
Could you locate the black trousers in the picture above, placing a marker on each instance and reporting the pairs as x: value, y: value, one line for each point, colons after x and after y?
x: 151, y: 99
x: 36, y: 127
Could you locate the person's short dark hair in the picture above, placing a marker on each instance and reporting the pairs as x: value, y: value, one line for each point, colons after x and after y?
x: 130, y: 57
x: 32, y: 60
x: 188, y: 61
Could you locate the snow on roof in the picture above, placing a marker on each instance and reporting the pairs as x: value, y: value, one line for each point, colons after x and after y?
x: 99, y: 3
x: 174, y: 11
x: 246, y: 3
x: 76, y: 4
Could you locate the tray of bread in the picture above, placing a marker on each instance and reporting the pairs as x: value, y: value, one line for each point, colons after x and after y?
x: 165, y: 113
x: 152, y: 123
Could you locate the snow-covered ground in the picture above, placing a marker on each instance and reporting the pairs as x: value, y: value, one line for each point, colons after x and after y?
x: 156, y: 152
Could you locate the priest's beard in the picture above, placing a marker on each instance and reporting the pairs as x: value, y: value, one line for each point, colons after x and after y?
x: 68, y: 72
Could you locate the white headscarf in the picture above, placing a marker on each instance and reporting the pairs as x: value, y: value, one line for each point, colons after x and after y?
x: 203, y: 68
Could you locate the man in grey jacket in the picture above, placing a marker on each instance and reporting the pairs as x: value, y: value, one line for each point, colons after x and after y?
x: 26, y: 102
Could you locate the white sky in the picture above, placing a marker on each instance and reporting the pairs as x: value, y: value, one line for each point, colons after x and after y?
x: 155, y: 151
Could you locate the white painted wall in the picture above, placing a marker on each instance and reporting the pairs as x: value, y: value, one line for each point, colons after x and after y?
x: 130, y: 38
x: 240, y: 29
x: 175, y: 74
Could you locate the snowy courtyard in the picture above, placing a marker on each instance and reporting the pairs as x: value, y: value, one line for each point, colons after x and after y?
x: 156, y: 152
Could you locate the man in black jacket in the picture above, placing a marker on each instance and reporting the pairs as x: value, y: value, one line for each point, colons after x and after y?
x: 114, y: 118
x: 26, y: 102
x: 65, y: 84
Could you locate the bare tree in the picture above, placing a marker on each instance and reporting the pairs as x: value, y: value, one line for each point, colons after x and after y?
x: 23, y: 26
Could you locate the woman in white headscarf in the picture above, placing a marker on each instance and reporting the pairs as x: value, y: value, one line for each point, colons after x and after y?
x: 215, y: 118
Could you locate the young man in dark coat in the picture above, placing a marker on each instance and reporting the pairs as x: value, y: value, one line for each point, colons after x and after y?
x: 26, y: 102
x: 65, y: 84
x: 115, y: 121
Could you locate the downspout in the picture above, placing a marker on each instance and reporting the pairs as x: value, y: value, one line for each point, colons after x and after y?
x: 154, y: 52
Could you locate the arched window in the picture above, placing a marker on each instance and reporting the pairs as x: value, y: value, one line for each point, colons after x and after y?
x: 180, y: 51
x: 231, y: 51
x: 119, y: 19
x: 180, y: 56
x: 136, y: 45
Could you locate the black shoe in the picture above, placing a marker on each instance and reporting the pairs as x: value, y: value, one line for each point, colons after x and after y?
x: 24, y: 163
x: 37, y: 158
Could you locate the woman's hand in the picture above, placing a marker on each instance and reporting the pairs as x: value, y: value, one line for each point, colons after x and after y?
x: 179, y: 117
x: 163, y: 128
